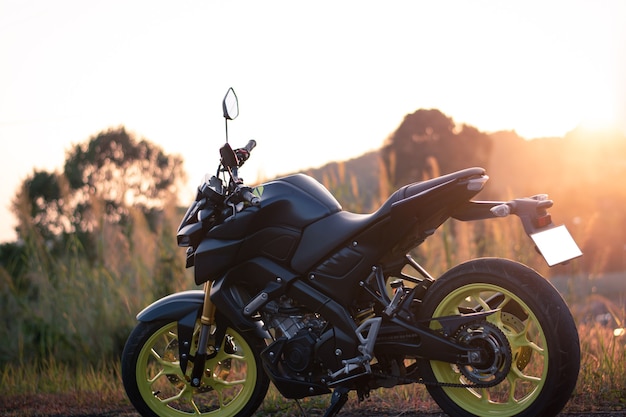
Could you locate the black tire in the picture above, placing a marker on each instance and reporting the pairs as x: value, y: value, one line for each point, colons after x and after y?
x: 153, y: 378
x: 544, y: 344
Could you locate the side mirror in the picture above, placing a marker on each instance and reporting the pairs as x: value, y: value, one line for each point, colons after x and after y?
x: 230, y: 105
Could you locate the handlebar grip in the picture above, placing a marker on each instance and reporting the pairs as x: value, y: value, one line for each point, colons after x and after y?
x: 248, y: 196
x: 244, y: 153
x: 250, y: 145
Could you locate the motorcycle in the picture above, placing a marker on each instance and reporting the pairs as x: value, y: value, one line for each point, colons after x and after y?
x: 319, y: 300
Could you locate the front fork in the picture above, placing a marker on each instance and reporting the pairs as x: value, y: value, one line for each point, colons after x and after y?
x: 207, y: 321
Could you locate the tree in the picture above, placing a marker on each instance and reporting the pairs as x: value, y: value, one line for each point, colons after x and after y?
x: 103, y: 180
x: 427, y: 144
x: 123, y: 172
x: 41, y: 206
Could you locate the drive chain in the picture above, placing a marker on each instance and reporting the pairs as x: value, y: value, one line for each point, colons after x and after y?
x: 439, y: 384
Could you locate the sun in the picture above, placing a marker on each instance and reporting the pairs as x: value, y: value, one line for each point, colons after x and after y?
x: 600, y: 118
x: 599, y: 112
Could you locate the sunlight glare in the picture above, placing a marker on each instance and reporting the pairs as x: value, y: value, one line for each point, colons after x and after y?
x: 600, y: 119
x: 599, y: 111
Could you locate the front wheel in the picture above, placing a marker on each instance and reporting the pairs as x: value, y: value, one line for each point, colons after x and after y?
x: 542, y: 340
x: 233, y: 384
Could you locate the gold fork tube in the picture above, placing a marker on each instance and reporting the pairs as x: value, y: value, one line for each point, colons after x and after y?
x: 208, y: 309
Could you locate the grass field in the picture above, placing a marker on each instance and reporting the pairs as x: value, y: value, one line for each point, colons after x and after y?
x: 62, y: 315
x: 601, y: 384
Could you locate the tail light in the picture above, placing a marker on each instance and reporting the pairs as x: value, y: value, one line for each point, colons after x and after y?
x: 543, y: 221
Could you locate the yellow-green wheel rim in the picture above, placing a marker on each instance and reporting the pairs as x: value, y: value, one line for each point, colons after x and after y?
x: 527, y: 376
x: 227, y: 385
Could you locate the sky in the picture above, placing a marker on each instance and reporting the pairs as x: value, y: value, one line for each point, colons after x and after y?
x: 317, y: 81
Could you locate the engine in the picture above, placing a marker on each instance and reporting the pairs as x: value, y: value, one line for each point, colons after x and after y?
x: 296, y: 332
x: 302, y: 356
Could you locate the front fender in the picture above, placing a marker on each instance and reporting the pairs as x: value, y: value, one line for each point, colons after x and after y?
x: 173, y: 307
x: 182, y: 307
x: 185, y: 307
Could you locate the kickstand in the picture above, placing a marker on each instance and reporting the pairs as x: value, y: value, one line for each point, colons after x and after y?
x: 302, y: 412
x: 337, y: 401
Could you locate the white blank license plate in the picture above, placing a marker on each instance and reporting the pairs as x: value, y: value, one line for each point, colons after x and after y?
x: 556, y: 245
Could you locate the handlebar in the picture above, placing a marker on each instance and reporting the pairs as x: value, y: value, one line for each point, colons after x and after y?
x: 249, y: 197
x: 246, y: 192
x: 250, y: 145
x: 244, y: 153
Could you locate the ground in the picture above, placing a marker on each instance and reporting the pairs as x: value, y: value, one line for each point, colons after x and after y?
x: 62, y: 405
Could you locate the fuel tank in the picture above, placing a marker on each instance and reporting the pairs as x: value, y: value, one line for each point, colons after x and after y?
x: 272, y: 229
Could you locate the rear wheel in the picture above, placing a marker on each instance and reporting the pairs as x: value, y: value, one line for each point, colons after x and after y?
x: 541, y: 334
x: 233, y: 383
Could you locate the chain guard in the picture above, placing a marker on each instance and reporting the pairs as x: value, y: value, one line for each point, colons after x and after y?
x: 484, y: 335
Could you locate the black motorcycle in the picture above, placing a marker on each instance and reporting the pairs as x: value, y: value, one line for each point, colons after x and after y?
x: 319, y: 300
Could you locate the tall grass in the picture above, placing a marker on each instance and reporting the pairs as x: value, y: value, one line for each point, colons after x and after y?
x: 76, y: 310
x: 602, y: 383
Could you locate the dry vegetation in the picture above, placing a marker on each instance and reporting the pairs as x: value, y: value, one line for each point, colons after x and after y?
x: 66, y: 315
x: 49, y: 388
